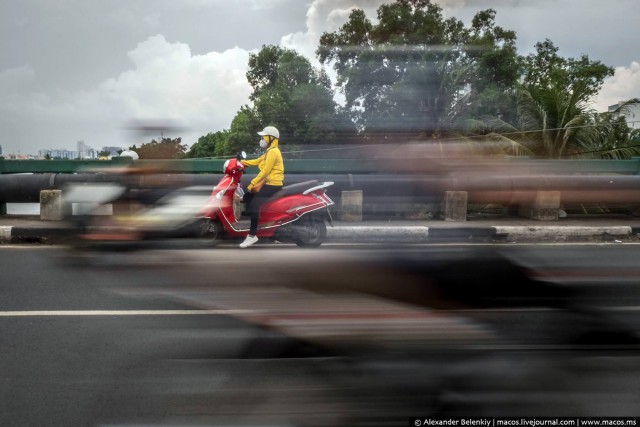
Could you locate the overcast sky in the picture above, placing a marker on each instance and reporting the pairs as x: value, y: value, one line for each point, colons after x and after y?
x: 86, y: 70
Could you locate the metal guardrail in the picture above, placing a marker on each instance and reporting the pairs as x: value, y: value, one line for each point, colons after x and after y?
x: 384, y: 181
x: 180, y: 166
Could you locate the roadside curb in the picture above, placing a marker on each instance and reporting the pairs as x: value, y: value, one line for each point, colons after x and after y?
x: 398, y: 234
x: 13, y: 234
x: 563, y: 233
x: 357, y: 234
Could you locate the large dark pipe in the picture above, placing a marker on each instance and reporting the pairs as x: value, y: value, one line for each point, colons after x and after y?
x: 514, y: 190
x: 26, y: 188
x: 377, y: 188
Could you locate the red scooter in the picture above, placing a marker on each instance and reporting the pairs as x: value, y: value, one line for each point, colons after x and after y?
x: 297, y: 213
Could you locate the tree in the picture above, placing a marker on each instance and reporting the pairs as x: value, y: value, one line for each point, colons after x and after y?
x: 495, y: 70
x: 209, y: 145
x: 243, y: 133
x: 291, y: 94
x: 415, y: 72
x: 617, y: 140
x: 167, y: 148
x: 554, y: 117
x: 545, y: 69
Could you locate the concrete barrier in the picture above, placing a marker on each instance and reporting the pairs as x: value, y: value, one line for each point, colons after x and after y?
x: 544, y: 207
x: 351, y: 206
x: 51, y: 205
x: 455, y: 205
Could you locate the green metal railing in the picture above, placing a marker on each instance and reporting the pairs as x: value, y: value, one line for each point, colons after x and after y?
x: 330, y: 166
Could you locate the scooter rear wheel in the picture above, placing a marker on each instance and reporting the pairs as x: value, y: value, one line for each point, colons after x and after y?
x: 314, y: 235
x: 210, y: 232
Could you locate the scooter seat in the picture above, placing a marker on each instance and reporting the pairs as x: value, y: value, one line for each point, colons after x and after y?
x: 287, y: 190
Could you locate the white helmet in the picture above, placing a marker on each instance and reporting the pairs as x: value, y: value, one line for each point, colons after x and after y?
x: 271, y: 131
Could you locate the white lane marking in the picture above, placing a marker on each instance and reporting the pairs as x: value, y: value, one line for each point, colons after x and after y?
x: 534, y: 309
x: 48, y: 313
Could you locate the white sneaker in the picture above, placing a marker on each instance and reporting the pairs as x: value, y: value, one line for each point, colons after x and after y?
x: 250, y: 240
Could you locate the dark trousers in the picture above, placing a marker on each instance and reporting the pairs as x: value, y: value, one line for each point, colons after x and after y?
x: 253, y: 202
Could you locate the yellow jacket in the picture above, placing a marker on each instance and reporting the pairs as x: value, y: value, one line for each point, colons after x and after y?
x: 271, y: 166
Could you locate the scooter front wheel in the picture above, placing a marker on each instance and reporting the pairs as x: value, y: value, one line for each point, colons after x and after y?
x: 313, y: 234
x: 210, y: 232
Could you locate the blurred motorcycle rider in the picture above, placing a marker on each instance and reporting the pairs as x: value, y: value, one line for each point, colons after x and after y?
x: 267, y: 183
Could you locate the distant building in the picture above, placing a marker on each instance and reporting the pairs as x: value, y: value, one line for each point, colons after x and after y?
x: 58, y: 154
x: 0, y: 150
x: 632, y: 115
x: 83, y: 152
x: 91, y: 153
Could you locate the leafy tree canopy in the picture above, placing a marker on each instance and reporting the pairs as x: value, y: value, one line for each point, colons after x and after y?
x: 414, y: 71
x: 545, y: 69
x: 210, y: 145
x: 289, y: 93
x: 553, y: 114
x: 167, y: 148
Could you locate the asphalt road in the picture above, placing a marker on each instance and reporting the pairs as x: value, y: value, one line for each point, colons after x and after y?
x: 339, y: 335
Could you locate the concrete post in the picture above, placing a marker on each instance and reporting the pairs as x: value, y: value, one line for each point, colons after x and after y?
x: 544, y: 207
x: 351, y: 205
x: 51, y: 205
x: 455, y: 205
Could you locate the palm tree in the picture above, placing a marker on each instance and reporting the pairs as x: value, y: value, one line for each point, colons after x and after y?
x: 555, y: 122
x: 618, y: 140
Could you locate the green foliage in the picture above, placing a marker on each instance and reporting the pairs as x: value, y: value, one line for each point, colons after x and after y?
x: 553, y: 114
x: 243, y: 133
x: 617, y: 140
x: 545, y: 69
x: 167, y: 148
x: 416, y: 72
x: 289, y: 93
x: 210, y: 145
x: 412, y: 73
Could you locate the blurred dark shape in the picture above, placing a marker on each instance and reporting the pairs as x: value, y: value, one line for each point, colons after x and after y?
x: 146, y: 205
x: 154, y: 128
x: 368, y: 338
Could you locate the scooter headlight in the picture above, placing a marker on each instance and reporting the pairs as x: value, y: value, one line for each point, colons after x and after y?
x: 219, y: 194
x: 224, y: 168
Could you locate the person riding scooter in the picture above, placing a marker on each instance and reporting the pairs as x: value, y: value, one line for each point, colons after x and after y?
x: 267, y: 183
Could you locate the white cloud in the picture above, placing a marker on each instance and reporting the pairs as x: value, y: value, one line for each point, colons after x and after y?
x: 14, y: 79
x: 44, y: 105
x: 622, y: 86
x: 168, y: 81
x: 202, y: 93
